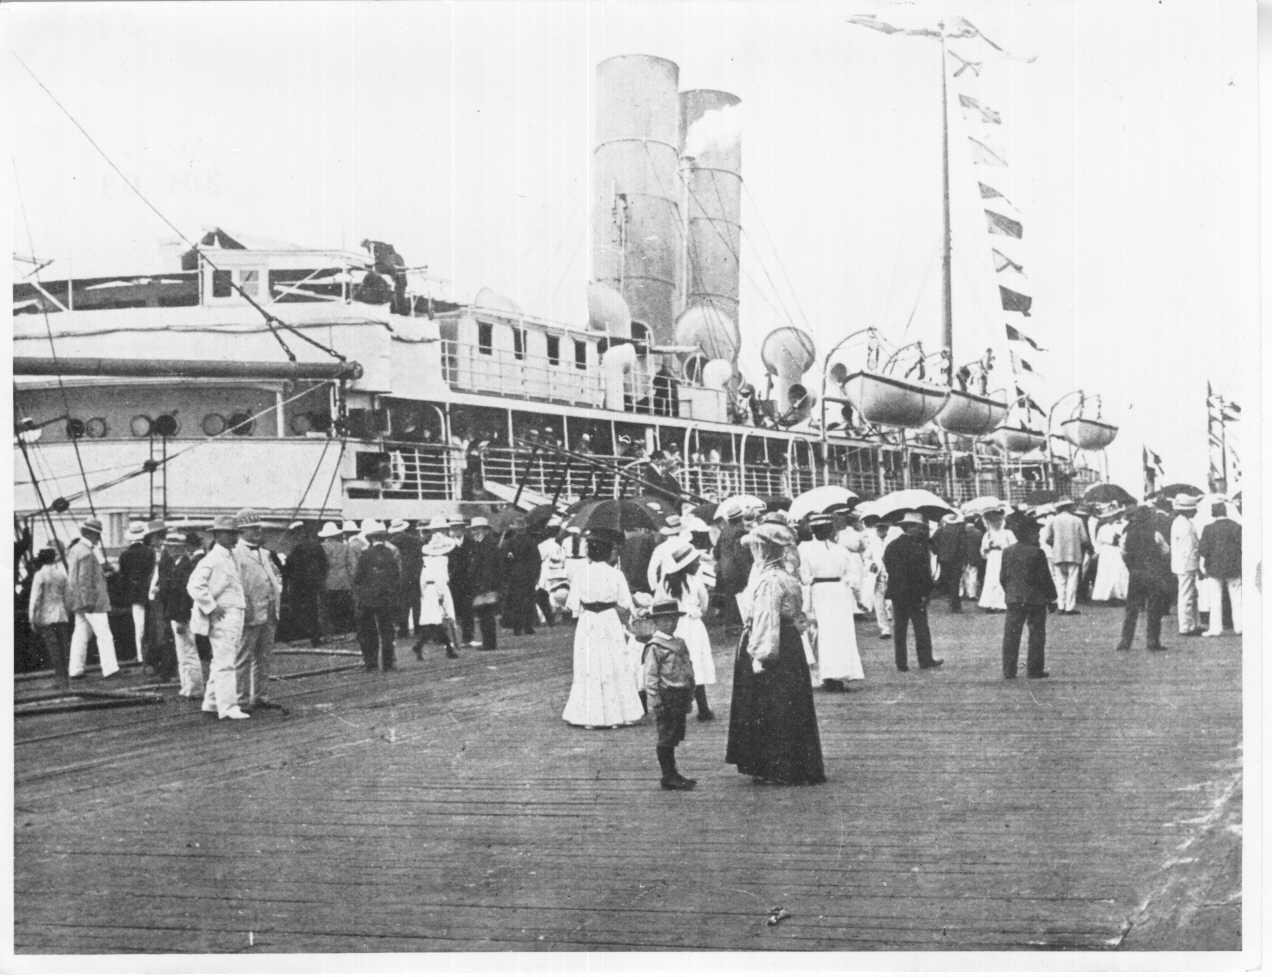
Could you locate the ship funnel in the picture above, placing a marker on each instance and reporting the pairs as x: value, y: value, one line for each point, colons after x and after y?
x: 607, y: 311
x: 787, y: 354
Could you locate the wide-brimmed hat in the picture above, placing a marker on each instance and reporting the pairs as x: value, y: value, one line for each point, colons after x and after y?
x: 370, y: 527
x: 672, y: 526
x: 479, y: 522
x: 821, y: 519
x: 247, y: 518
x: 399, y: 526
x: 328, y: 530
x: 453, y: 521
x: 175, y: 538
x: 156, y: 526
x: 298, y: 524
x: 770, y: 533
x: 93, y: 525
x: 136, y: 532
x: 665, y: 608
x: 1183, y: 503
x: 438, y: 545
x: 348, y: 526
x: 912, y: 519
x: 681, y: 555
x: 1064, y: 504
x: 225, y: 524
x: 438, y: 523
x: 728, y: 510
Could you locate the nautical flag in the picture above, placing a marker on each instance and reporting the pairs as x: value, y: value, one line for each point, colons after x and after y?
x: 1002, y: 263
x: 1000, y: 224
x: 1022, y: 364
x: 1015, y: 301
x: 984, y: 155
x: 1016, y: 336
x: 1152, y: 462
x: 1022, y: 395
x: 987, y: 114
x: 974, y: 67
x: 961, y: 27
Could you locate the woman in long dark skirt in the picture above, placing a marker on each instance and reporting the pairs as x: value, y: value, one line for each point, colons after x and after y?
x: 772, y: 723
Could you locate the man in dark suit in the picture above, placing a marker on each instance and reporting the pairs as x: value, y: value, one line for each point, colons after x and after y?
x: 521, y: 564
x: 457, y: 564
x: 947, y: 544
x: 908, y: 563
x: 1220, y: 554
x: 485, y: 579
x: 1029, y: 588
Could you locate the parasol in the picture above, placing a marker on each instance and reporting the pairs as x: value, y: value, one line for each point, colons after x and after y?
x: 896, y: 504
x: 1178, y: 488
x: 744, y: 502
x: 819, y: 500
x: 618, y: 515
x: 1107, y: 492
x: 707, y: 512
x: 983, y: 504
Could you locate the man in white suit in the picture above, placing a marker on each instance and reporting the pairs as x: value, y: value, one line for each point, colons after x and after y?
x: 1067, y: 539
x: 217, y: 591
x: 1184, y: 563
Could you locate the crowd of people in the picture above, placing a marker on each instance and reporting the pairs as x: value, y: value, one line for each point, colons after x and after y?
x: 792, y: 591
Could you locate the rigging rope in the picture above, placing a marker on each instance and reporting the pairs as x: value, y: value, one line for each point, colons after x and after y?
x: 271, y: 320
x: 777, y: 257
x: 48, y: 328
x: 309, y: 484
x: 334, y: 472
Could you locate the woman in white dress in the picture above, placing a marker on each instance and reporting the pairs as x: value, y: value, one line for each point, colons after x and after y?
x: 683, y: 583
x: 436, y: 617
x: 854, y: 544
x: 996, y: 539
x: 604, y: 692
x: 1111, y: 576
x: 825, y: 570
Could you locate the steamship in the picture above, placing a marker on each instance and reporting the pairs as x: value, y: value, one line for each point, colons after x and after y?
x: 325, y: 384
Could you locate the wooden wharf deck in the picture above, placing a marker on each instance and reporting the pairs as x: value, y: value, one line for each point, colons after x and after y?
x: 447, y: 807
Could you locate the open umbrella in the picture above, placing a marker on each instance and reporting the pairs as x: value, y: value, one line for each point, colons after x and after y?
x: 618, y: 515
x: 658, y: 509
x: 1107, y: 492
x: 895, y: 504
x: 819, y: 500
x: 777, y: 503
x: 983, y: 504
x: 707, y: 512
x: 1178, y: 488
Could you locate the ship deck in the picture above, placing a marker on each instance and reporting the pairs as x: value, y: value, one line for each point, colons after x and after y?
x: 446, y: 807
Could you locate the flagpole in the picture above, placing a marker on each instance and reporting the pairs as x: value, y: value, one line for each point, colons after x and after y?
x: 947, y: 330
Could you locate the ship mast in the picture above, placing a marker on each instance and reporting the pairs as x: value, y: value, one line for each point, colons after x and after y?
x: 947, y: 288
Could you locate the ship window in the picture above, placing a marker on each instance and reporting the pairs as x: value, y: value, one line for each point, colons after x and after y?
x: 519, y: 343
x: 580, y: 355
x: 221, y: 287
x: 250, y: 281
x: 485, y: 338
x: 554, y: 350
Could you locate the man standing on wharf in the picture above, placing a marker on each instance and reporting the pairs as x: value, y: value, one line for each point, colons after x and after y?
x: 262, y: 598
x: 377, y: 588
x: 88, y: 601
x: 217, y: 591
x: 909, y: 569
x: 1029, y: 588
x: 947, y: 544
x: 1069, y: 542
x: 1184, y: 563
x: 484, y: 580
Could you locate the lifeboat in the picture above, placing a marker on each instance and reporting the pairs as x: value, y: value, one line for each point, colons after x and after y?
x: 970, y: 414
x: 891, y: 402
x: 1017, y: 438
x: 1088, y: 434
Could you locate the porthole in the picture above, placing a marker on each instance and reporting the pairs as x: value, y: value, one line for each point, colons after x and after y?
x: 96, y: 427
x: 141, y: 426
x: 213, y: 424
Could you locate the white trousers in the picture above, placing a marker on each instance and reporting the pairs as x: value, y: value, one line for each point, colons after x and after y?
x: 882, y: 608
x: 225, y: 635
x: 99, y: 625
x: 1215, y: 587
x: 1186, y: 611
x: 970, y: 586
x: 139, y: 626
x: 189, y: 668
x: 1067, y: 575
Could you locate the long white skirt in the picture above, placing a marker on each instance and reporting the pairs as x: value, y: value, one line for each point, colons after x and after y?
x: 837, y: 656
x: 693, y: 633
x: 604, y: 691
x: 1111, y: 576
x: 992, y: 596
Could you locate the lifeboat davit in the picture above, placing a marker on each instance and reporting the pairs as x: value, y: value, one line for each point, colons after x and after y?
x: 1017, y: 438
x: 892, y: 402
x: 1088, y: 434
x: 970, y: 414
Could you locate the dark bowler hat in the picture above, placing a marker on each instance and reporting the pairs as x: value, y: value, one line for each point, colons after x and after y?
x: 665, y: 608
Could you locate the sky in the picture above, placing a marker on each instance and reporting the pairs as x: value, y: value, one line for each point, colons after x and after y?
x: 462, y: 132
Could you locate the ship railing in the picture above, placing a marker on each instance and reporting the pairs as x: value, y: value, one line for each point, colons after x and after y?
x: 526, y: 376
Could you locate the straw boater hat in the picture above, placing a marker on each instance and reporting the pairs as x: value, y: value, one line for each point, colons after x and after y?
x: 479, y: 522
x: 136, y: 532
x: 329, y: 529
x: 453, y: 521
x: 680, y: 557
x: 665, y: 608
x: 399, y: 526
x: 1183, y: 503
x: 438, y: 524
x: 912, y: 519
x: 175, y: 537
x: 821, y: 519
x: 247, y: 518
x: 672, y: 526
x: 225, y: 524
x: 771, y: 534
x: 372, y: 527
x: 93, y: 525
